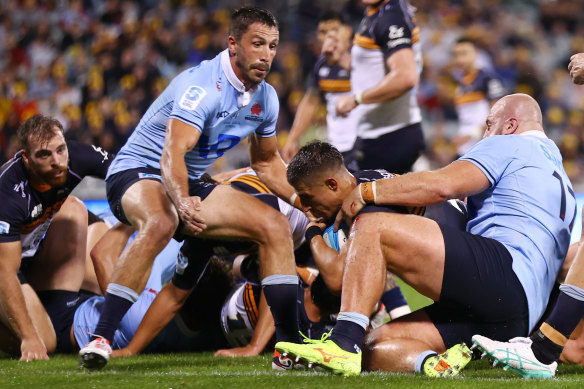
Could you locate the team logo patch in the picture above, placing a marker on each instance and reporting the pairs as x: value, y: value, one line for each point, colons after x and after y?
x: 20, y: 188
x: 256, y: 111
x: 324, y: 71
x: 4, y: 228
x: 149, y: 175
x: 192, y: 97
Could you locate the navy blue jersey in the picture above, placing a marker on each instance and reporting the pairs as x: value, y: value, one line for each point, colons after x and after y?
x: 27, y: 212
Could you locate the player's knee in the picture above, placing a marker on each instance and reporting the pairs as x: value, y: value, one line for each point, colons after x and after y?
x: 160, y: 228
x: 276, y: 228
x: 73, y: 209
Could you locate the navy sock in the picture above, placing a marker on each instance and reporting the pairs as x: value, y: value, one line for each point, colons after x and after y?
x: 114, y: 309
x: 566, y: 314
x: 564, y: 318
x: 348, y: 335
x: 393, y: 298
x: 282, y: 299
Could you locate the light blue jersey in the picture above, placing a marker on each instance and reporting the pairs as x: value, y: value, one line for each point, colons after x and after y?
x: 87, y: 314
x: 530, y: 208
x: 210, y: 98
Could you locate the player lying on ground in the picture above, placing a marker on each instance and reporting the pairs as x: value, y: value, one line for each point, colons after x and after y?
x: 495, y: 278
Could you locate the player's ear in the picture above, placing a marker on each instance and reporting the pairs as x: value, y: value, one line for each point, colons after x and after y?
x: 232, y: 45
x: 511, y: 125
x: 331, y: 183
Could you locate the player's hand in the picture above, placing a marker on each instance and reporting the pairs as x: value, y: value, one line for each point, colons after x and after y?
x: 123, y: 352
x: 345, y: 104
x: 289, y: 151
x: 33, y: 349
x: 576, y: 68
x: 237, y: 352
x: 189, y: 209
x: 317, y: 222
x: 351, y: 207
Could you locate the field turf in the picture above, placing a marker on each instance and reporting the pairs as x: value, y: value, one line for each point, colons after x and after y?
x: 203, y: 370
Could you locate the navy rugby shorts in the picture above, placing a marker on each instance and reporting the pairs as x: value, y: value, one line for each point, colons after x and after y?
x: 480, y: 292
x: 118, y: 184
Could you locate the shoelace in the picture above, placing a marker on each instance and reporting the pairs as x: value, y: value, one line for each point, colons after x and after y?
x: 324, y: 337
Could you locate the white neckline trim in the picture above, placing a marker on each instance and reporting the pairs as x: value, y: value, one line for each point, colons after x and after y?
x: 536, y: 133
x: 229, y: 73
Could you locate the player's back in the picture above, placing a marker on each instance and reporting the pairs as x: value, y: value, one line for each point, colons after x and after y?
x: 530, y: 207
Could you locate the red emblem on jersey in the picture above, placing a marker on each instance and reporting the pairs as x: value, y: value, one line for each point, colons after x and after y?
x: 218, y: 86
x: 256, y: 109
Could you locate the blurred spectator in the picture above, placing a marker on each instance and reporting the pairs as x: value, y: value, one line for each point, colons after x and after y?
x: 75, y: 59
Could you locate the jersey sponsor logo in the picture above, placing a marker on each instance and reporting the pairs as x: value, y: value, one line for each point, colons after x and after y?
x: 192, y: 97
x: 181, y: 264
x: 103, y: 153
x: 20, y: 188
x: 396, y: 42
x: 222, y: 114
x: 4, y: 228
x: 395, y: 32
x: 37, y: 211
x: 256, y: 110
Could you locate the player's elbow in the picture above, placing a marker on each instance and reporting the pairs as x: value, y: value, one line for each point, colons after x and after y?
x: 409, y: 80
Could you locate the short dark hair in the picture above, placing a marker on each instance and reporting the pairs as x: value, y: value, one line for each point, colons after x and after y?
x: 38, y: 127
x: 465, y: 39
x: 244, y: 17
x: 314, y: 157
x: 331, y: 15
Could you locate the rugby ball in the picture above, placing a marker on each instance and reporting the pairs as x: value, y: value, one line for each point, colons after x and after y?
x: 336, y: 240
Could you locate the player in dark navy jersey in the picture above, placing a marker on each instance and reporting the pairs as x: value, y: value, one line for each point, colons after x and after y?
x: 386, y: 62
x: 43, y: 232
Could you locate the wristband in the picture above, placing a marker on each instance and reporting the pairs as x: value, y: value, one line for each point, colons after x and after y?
x: 367, y: 192
x: 311, y: 232
x: 295, y: 201
x: 359, y: 98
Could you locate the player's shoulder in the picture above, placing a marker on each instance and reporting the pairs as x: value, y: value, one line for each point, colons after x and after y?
x: 396, y: 12
x: 372, y: 175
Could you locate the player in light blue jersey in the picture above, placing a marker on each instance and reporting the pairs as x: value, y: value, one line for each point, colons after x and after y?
x: 494, y: 278
x: 154, y: 182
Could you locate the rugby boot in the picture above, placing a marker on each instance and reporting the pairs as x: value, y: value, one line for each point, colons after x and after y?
x: 95, y: 354
x: 449, y: 363
x: 515, y: 355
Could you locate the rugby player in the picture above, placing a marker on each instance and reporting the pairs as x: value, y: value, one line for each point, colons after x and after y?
x: 493, y: 278
x: 36, y: 214
x: 477, y: 90
x: 386, y: 61
x: 154, y: 182
x: 330, y: 79
x: 535, y: 356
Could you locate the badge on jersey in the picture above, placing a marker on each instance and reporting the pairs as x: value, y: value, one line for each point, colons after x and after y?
x: 192, y: 97
x: 4, y: 228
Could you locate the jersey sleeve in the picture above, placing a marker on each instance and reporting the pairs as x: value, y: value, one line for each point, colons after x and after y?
x: 89, y: 160
x: 393, y: 33
x: 11, y: 218
x: 492, y: 155
x: 193, y: 104
x: 268, y: 127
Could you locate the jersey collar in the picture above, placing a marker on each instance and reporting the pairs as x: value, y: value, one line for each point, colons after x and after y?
x: 243, y: 96
x: 536, y: 133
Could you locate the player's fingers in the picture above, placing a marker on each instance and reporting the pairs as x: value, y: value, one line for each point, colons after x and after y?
x: 338, y: 220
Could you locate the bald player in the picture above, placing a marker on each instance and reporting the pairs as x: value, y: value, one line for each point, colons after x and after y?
x: 494, y: 278
x: 536, y: 356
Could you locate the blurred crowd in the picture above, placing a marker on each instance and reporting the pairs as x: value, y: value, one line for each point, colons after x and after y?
x: 97, y: 65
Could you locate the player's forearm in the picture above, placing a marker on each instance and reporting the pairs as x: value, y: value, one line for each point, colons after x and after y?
x: 414, y: 189
x: 394, y: 84
x: 175, y: 176
x: 163, y: 309
x: 264, y: 329
x: 304, y: 115
x: 329, y: 262
x: 14, y: 306
x: 273, y: 173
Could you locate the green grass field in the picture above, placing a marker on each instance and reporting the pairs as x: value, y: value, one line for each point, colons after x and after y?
x: 203, y: 370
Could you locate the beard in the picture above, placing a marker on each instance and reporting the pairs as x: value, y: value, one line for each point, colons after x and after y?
x: 54, y: 181
x: 254, y: 73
